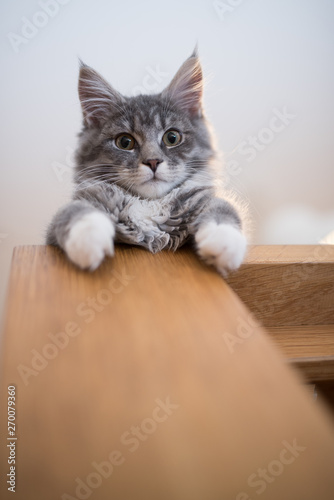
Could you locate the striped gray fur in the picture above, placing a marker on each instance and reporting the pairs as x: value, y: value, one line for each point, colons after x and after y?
x: 166, y: 210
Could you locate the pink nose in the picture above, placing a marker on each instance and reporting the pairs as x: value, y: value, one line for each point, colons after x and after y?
x: 153, y: 164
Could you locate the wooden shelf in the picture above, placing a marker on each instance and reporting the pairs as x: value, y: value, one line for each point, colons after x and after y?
x: 162, y: 346
x: 290, y: 290
x: 288, y: 285
x: 310, y: 348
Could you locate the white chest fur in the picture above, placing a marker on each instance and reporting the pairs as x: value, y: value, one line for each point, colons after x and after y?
x: 149, y: 213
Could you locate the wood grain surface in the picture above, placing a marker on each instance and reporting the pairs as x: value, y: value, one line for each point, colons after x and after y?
x: 286, y: 285
x: 309, y: 348
x: 150, y: 379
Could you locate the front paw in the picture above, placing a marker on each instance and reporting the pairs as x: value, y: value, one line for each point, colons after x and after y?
x: 221, y: 245
x: 89, y: 240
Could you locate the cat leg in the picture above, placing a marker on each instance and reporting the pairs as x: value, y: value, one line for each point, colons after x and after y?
x: 218, y: 236
x: 85, y: 233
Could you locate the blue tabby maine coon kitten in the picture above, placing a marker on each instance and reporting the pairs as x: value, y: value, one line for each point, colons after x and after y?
x: 145, y: 175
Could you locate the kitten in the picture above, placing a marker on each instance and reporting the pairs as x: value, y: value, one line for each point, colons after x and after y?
x: 144, y: 175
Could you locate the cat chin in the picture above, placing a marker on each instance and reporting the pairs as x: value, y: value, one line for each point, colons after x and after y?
x: 153, y: 189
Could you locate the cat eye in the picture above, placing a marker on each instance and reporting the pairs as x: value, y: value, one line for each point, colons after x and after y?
x: 125, y: 141
x: 172, y: 138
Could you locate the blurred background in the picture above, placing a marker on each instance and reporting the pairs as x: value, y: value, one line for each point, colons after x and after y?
x: 269, y: 96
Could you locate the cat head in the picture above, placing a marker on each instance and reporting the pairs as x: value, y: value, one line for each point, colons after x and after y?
x: 148, y: 144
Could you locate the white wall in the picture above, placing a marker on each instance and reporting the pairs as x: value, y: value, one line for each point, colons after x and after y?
x: 260, y: 56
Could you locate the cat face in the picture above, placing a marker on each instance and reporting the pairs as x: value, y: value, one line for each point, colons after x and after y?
x: 146, y: 144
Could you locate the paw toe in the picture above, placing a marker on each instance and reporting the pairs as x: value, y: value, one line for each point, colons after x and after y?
x: 221, y: 245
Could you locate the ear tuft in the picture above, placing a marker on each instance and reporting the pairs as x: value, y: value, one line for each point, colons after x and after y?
x: 82, y: 64
x: 97, y: 97
x: 186, y: 88
x: 195, y: 51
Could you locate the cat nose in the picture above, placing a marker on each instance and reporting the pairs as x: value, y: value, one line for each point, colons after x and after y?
x: 153, y: 164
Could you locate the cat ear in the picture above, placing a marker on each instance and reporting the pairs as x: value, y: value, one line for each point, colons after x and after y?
x: 97, y: 97
x: 186, y: 88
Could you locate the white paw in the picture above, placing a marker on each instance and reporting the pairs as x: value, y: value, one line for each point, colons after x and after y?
x: 89, y: 240
x: 221, y: 245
